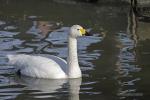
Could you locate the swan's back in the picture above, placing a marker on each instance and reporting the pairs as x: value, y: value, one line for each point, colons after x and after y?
x: 38, y: 66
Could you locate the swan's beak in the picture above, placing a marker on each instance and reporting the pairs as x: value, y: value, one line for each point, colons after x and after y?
x: 87, y: 33
x: 84, y: 32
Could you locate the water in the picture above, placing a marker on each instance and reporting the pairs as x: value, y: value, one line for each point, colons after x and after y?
x: 114, y: 61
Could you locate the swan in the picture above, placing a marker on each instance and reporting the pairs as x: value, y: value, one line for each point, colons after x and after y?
x: 51, y: 67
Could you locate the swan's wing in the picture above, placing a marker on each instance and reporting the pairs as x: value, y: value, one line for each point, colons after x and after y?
x: 62, y: 63
x: 38, y: 66
x: 59, y: 60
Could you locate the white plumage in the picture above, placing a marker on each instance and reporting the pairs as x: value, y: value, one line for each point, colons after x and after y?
x: 51, y: 67
x: 38, y: 66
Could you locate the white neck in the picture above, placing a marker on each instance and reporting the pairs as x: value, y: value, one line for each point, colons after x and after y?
x: 73, y: 65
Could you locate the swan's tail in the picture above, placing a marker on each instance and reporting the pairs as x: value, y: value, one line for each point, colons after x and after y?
x: 11, y: 59
x: 17, y: 60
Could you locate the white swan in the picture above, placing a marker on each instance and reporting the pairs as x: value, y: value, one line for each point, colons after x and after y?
x: 52, y: 67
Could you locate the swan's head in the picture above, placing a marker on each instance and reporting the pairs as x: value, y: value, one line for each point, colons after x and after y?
x: 77, y: 30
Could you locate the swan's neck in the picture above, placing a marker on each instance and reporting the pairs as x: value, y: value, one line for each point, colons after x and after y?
x: 74, y: 69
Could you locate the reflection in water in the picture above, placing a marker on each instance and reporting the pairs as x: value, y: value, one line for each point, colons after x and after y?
x: 127, y: 60
x: 37, y: 35
x: 53, y: 43
x: 43, y: 28
x: 26, y: 28
x: 74, y: 88
x: 41, y: 88
x: 127, y: 67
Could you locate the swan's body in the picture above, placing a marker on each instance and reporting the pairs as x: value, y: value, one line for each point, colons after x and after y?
x: 38, y: 66
x: 52, y: 67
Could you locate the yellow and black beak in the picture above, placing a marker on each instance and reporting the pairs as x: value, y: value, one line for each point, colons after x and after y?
x: 84, y: 32
x: 87, y: 34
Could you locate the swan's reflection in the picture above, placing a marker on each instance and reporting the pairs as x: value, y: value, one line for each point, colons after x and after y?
x: 51, y: 86
x: 74, y: 88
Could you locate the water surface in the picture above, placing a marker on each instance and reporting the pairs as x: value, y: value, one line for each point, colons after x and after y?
x: 114, y: 61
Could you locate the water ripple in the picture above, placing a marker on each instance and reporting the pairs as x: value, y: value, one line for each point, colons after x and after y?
x: 127, y: 67
x: 12, y: 86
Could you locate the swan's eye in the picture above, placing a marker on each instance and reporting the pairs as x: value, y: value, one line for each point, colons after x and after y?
x: 78, y: 29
